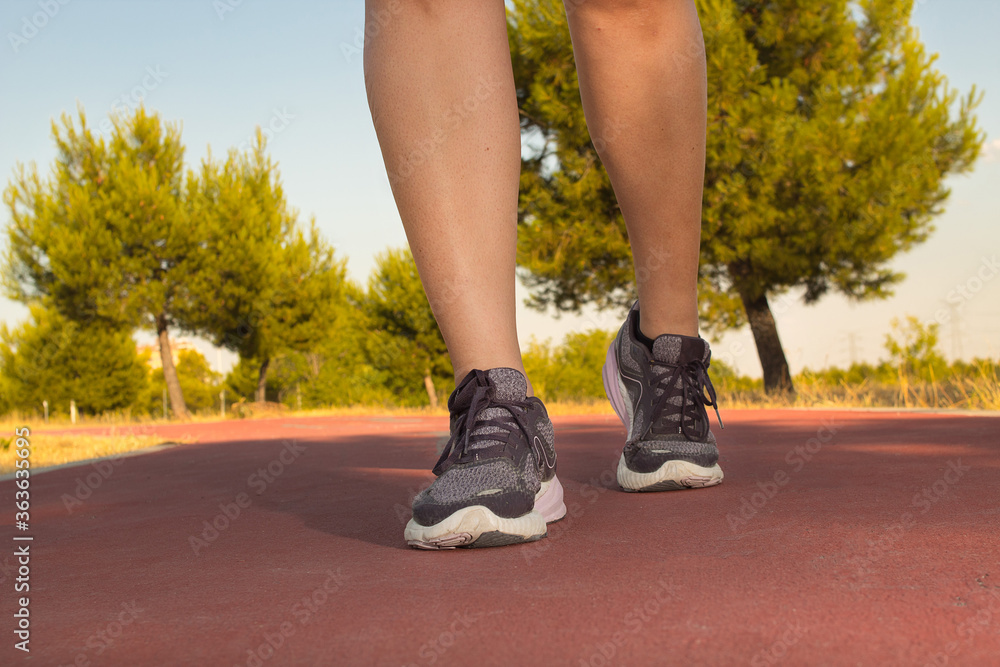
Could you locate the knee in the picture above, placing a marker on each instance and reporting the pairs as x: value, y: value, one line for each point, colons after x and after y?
x: 652, y: 24
x: 642, y: 10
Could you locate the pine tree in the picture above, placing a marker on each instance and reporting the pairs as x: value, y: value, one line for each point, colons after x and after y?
x: 830, y: 135
x: 52, y: 358
x: 107, y: 239
x: 267, y: 287
x: 404, y: 341
x: 199, y: 382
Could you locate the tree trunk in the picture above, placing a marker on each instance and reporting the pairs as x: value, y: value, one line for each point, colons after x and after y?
x: 429, y: 386
x: 777, y: 378
x: 177, y: 404
x: 262, y: 381
x: 313, y: 360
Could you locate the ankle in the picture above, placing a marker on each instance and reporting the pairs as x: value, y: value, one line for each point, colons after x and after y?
x: 651, y: 327
x: 677, y: 315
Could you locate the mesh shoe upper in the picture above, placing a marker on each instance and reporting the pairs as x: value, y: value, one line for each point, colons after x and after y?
x: 667, y: 389
x: 500, y: 450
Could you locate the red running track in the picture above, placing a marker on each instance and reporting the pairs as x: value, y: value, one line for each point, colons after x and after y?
x: 837, y: 538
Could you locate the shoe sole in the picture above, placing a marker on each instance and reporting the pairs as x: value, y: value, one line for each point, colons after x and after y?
x: 672, y: 475
x: 477, y: 526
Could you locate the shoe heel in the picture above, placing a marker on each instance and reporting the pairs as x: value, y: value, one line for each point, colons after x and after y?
x: 550, y: 504
x: 609, y: 373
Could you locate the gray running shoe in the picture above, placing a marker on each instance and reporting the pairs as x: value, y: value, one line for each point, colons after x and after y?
x: 660, y: 396
x: 497, y: 479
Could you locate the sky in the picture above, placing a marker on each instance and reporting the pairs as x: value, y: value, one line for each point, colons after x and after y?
x: 223, y: 67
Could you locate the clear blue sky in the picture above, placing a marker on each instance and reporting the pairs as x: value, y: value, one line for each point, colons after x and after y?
x: 294, y: 64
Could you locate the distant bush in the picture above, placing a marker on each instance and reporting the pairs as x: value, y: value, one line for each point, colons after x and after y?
x: 571, y: 371
x: 199, y: 383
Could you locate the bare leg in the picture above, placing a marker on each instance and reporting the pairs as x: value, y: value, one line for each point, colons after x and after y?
x: 441, y: 93
x: 642, y: 77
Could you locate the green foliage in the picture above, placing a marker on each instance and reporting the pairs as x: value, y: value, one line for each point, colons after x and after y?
x: 913, y: 356
x: 726, y: 380
x: 404, y: 344
x: 51, y: 358
x: 830, y: 135
x: 373, y: 350
x: 107, y: 236
x: 201, y: 386
x: 913, y: 349
x: 570, y: 371
x: 241, y: 380
x: 268, y: 288
x: 340, y: 370
x: 572, y: 237
x: 119, y: 235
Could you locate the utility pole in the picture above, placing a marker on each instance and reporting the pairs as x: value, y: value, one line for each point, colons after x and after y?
x: 955, y: 325
x: 852, y: 346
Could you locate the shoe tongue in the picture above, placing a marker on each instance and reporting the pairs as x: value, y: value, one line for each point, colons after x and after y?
x: 508, y: 384
x: 673, y: 349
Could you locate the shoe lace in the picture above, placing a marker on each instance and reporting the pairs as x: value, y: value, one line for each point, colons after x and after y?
x: 511, y: 422
x: 697, y: 392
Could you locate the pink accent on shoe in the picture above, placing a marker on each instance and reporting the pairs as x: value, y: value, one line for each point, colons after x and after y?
x: 551, y: 505
x: 611, y: 387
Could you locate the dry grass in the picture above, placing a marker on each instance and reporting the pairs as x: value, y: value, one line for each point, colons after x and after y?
x: 52, y: 450
x: 981, y: 392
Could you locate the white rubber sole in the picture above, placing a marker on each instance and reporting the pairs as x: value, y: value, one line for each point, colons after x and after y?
x: 672, y: 475
x: 478, y: 526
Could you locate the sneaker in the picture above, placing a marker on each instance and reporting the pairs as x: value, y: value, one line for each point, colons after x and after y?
x: 496, y: 479
x: 660, y: 395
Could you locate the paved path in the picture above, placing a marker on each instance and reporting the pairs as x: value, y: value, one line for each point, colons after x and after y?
x: 838, y: 538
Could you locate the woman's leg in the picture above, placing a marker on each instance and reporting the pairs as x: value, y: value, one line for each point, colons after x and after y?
x: 441, y: 92
x: 641, y: 67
